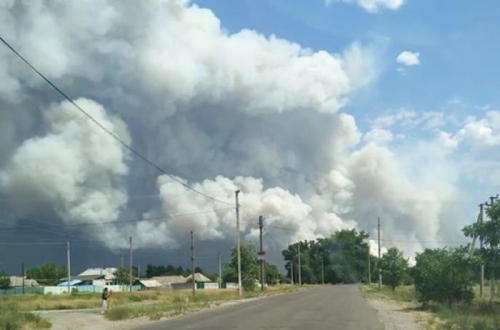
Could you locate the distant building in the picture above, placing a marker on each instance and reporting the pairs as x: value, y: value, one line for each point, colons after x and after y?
x: 17, y: 281
x: 148, y: 284
x: 92, y: 276
x: 199, y: 278
x: 167, y: 281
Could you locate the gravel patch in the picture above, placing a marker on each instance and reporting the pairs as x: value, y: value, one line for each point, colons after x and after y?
x: 397, y: 317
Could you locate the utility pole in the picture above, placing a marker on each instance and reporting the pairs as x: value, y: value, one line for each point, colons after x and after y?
x: 238, y: 241
x: 192, y: 263
x: 220, y: 271
x: 369, y: 267
x: 300, y: 269
x: 379, y: 256
x: 322, y: 270
x: 121, y: 260
x: 291, y: 271
x: 492, y: 277
x: 130, y: 279
x: 22, y: 272
x: 261, y: 254
x: 481, y: 219
x: 68, y: 256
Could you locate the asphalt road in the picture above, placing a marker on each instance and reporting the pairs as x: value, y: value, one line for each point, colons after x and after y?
x: 339, y: 307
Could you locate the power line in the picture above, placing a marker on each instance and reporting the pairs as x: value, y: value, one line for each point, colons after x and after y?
x: 108, y: 131
x: 125, y: 221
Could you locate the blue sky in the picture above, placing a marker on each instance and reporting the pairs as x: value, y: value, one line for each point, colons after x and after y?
x: 455, y: 38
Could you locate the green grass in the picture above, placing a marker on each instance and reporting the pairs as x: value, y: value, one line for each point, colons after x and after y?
x: 181, y: 302
x: 479, y: 315
x: 14, y: 310
x: 11, y: 318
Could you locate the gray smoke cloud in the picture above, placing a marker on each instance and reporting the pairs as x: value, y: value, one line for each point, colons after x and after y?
x: 221, y: 111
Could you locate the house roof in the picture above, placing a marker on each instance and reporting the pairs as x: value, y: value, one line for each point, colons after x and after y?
x: 150, y: 283
x: 16, y: 281
x: 199, y: 277
x: 109, y: 273
x: 168, y: 280
x: 72, y: 282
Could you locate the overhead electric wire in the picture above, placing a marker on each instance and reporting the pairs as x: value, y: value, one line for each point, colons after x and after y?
x: 109, y: 132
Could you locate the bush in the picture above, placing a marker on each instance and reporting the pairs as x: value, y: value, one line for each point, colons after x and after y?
x: 248, y: 284
x: 443, y: 276
x: 12, y: 318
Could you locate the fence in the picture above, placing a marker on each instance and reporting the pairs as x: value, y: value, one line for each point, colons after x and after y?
x: 64, y: 289
x: 56, y: 290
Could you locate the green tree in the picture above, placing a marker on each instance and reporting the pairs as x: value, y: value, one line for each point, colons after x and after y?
x: 342, y: 257
x: 123, y: 275
x: 489, y: 232
x: 443, y: 276
x: 48, y: 273
x: 249, y: 267
x: 4, y: 281
x: 394, y: 267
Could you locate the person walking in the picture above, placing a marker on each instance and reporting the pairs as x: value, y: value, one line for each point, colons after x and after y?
x: 104, y: 298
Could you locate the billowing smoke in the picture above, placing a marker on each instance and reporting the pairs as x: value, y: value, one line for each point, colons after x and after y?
x: 74, y: 168
x: 221, y: 111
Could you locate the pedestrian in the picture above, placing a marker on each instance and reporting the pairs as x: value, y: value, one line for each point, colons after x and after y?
x: 104, y: 298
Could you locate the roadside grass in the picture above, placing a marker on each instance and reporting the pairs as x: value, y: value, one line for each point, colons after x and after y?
x: 13, y: 319
x: 180, y: 302
x: 479, y: 315
x: 123, y: 305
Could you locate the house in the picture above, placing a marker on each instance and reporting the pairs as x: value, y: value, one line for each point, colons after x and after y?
x: 198, y: 277
x: 148, y: 284
x: 92, y: 276
x: 167, y: 281
x: 17, y: 281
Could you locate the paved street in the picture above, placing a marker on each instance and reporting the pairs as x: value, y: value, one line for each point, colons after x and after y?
x: 338, y: 307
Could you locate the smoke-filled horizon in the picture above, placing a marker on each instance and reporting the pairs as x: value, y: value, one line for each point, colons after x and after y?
x: 219, y: 111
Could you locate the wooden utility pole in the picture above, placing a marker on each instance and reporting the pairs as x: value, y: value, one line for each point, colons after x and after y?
x: 322, y: 270
x: 220, y: 271
x: 492, y: 276
x: 300, y: 268
x: 291, y: 271
x: 192, y: 263
x: 238, y: 241
x: 261, y: 254
x: 130, y: 261
x: 23, y: 275
x: 68, y: 256
x: 369, y: 267
x: 481, y: 282
x: 379, y: 256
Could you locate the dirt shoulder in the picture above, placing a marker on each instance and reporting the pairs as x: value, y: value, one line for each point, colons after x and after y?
x: 395, y: 314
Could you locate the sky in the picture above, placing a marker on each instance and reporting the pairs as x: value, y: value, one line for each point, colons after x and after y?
x: 325, y: 114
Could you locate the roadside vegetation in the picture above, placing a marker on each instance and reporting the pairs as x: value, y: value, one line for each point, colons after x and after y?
x: 445, y: 280
x: 12, y: 318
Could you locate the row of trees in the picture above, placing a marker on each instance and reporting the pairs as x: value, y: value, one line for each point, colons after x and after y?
x: 250, y: 269
x: 440, y: 275
x: 169, y: 270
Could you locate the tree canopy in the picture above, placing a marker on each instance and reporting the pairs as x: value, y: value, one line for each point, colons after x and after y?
x: 343, y: 256
x: 394, y: 267
x: 4, y: 281
x: 249, y: 267
x: 48, y: 273
x: 443, y: 275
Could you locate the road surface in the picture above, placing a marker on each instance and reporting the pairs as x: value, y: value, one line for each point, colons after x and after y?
x: 339, y: 307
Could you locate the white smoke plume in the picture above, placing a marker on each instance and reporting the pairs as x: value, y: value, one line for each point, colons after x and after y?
x: 74, y: 167
x: 221, y: 111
